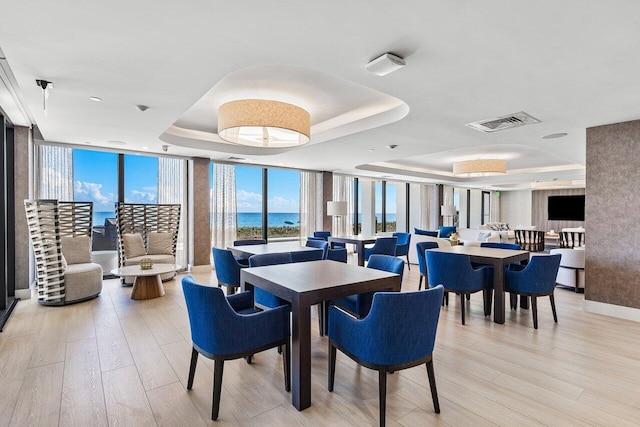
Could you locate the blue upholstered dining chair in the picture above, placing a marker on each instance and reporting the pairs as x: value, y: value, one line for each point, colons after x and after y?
x: 398, y: 333
x: 262, y: 297
x: 455, y: 273
x: 320, y: 244
x: 360, y: 304
x: 402, y: 245
x: 324, y: 235
x: 382, y: 246
x: 220, y: 331
x: 421, y: 247
x: 304, y: 256
x: 227, y: 269
x: 339, y: 254
x: 536, y: 279
x: 247, y: 242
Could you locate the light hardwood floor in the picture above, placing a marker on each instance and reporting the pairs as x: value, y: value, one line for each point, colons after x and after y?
x: 116, y: 361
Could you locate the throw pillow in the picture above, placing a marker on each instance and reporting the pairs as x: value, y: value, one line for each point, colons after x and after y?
x: 483, y: 236
x: 160, y: 243
x: 76, y: 250
x: 133, y: 245
x: 445, y: 232
x: 419, y: 232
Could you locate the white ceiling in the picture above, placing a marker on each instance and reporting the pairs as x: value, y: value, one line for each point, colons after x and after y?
x: 572, y: 64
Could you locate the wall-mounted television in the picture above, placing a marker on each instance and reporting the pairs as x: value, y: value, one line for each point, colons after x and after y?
x: 566, y: 208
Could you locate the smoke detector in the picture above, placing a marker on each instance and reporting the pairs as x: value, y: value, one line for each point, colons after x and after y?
x: 385, y: 64
x: 504, y: 122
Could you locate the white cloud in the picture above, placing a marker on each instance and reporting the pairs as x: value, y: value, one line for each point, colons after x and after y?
x: 281, y: 204
x: 136, y: 196
x: 247, y: 201
x: 92, y: 191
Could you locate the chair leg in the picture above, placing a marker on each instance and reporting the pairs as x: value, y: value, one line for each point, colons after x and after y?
x: 408, y: 265
x: 534, y: 310
x: 553, y: 308
x: 249, y: 359
x: 218, y: 367
x: 420, y: 283
x: 231, y: 290
x: 286, y: 362
x: 432, y: 384
x: 332, y: 366
x: 192, y: 368
x: 382, y: 398
x: 462, y: 306
x: 513, y: 300
x: 468, y: 297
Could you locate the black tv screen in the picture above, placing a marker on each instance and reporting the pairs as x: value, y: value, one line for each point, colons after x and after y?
x: 566, y: 208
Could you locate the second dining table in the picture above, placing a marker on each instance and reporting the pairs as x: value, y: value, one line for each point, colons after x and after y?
x: 269, y: 248
x: 304, y: 284
x: 499, y: 259
x: 359, y: 240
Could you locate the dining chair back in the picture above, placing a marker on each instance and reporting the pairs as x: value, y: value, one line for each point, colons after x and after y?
x: 320, y: 244
x: 262, y: 297
x: 227, y: 269
x: 421, y: 247
x: 220, y: 332
x: 455, y: 273
x: 382, y: 246
x: 402, y: 245
x: 398, y: 333
x: 537, y: 278
x: 339, y: 254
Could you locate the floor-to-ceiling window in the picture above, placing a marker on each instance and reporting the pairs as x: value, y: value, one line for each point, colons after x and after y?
x: 283, y: 203
x: 249, y: 201
x: 391, y: 204
x: 95, y: 179
x: 140, y: 179
x: 378, y: 206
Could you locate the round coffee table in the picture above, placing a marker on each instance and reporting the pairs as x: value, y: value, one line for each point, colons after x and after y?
x: 147, y: 283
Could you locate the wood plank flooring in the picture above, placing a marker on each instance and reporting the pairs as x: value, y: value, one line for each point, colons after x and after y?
x: 115, y: 361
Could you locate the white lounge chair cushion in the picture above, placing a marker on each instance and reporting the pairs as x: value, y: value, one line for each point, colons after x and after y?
x: 133, y: 245
x: 160, y: 243
x: 76, y: 250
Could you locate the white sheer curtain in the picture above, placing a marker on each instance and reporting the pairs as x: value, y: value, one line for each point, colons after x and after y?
x: 309, y: 214
x: 426, y: 195
x: 54, y: 172
x: 343, y: 192
x: 447, y: 200
x: 494, y: 215
x: 224, y: 227
x: 171, y: 185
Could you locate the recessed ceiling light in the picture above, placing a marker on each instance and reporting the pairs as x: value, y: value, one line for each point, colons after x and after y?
x: 87, y: 142
x: 554, y: 135
x: 117, y: 142
x: 95, y: 98
x: 145, y: 148
x: 371, y: 150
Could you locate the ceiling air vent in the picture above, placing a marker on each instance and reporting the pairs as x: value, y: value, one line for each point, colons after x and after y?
x: 504, y: 122
x: 236, y: 159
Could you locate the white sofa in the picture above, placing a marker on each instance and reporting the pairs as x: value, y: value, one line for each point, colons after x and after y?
x: 571, y: 271
x: 471, y: 236
x: 507, y: 235
x: 415, y: 238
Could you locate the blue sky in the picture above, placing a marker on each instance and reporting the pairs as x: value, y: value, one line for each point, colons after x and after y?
x: 95, y: 178
x: 283, y: 191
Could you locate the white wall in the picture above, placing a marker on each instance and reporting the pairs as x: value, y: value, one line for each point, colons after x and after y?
x: 476, y: 209
x: 368, y: 207
x: 515, y: 207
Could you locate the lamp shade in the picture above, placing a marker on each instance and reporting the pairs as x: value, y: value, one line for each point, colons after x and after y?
x: 263, y: 123
x: 447, y: 210
x: 336, y: 208
x: 480, y: 167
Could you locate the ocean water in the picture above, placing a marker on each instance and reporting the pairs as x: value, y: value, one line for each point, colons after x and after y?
x: 249, y: 219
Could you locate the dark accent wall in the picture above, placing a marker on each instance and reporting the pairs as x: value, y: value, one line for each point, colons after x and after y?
x: 327, y: 195
x: 612, y: 270
x: 201, y: 212
x: 22, y: 136
x: 539, y: 214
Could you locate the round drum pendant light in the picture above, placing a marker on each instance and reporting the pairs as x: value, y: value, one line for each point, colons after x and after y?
x: 263, y: 123
x: 480, y: 167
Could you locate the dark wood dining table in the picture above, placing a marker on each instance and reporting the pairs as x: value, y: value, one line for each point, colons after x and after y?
x: 358, y: 240
x: 246, y: 251
x: 304, y: 284
x: 499, y: 259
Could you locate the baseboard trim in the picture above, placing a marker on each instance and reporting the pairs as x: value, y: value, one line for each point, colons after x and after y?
x: 23, y: 293
x: 612, y: 310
